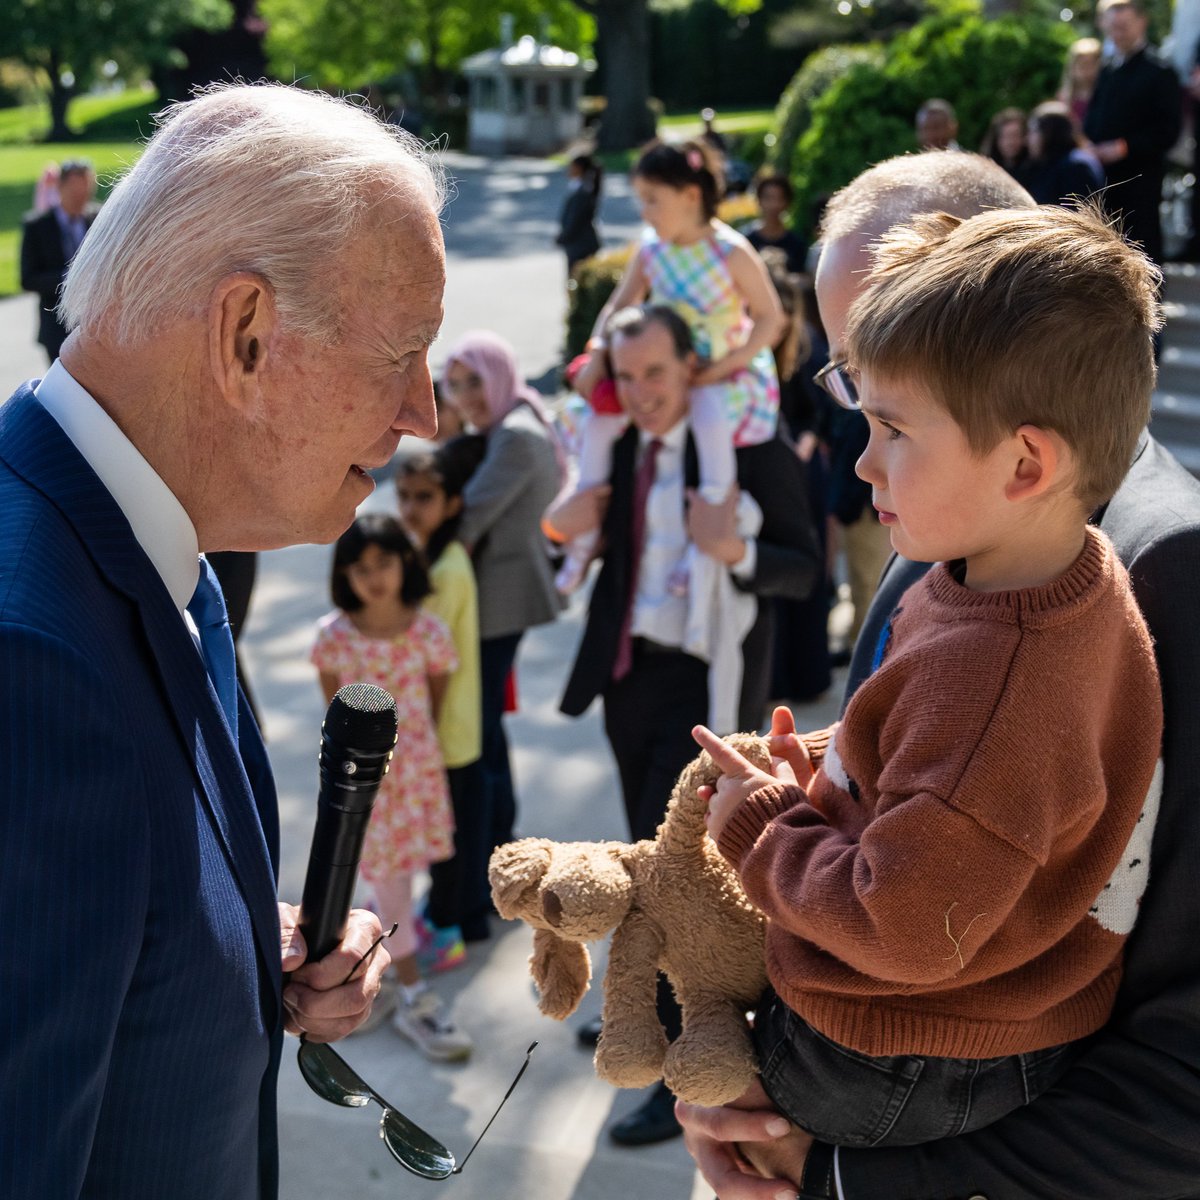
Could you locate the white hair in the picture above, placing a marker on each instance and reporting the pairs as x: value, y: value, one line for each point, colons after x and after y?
x: 245, y: 177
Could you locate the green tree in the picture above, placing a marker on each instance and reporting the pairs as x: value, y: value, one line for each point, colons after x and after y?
x: 623, y: 51
x: 349, y: 43
x: 67, y: 41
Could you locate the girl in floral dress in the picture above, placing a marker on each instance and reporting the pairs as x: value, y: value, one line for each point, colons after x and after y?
x: 378, y: 634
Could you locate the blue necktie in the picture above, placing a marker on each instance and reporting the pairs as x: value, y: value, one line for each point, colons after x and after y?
x: 207, y: 607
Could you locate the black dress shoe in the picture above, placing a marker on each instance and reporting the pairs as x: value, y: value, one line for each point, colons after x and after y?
x: 588, y: 1034
x: 654, y: 1121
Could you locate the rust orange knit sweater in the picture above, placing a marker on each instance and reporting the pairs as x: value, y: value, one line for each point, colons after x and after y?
x: 961, y: 876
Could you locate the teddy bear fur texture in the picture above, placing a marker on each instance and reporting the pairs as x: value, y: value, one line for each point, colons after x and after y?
x: 674, y: 905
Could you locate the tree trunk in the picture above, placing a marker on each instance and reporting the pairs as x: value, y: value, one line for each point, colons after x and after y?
x: 60, y: 97
x: 623, y: 40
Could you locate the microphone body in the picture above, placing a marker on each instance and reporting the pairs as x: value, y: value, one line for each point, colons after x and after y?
x: 357, y: 739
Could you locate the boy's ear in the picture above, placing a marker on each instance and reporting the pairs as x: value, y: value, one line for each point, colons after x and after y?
x: 1041, y: 460
x: 453, y: 505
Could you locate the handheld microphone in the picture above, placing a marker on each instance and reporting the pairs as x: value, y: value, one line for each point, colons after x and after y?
x: 357, y: 739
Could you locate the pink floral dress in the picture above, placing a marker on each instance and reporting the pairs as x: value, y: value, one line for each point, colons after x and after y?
x: 411, y: 825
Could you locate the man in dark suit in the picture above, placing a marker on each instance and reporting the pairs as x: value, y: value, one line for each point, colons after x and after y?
x: 632, y: 651
x: 216, y: 392
x: 1121, y: 1123
x: 50, y: 241
x: 1133, y: 120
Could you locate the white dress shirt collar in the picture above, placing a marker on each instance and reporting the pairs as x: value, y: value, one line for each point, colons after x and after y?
x: 673, y: 439
x: 159, y: 522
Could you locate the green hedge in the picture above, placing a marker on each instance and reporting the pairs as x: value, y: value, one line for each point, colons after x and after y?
x: 794, y: 110
x: 980, y: 65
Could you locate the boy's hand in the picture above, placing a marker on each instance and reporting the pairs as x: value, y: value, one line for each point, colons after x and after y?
x: 790, y: 763
x: 786, y: 747
x: 739, y: 779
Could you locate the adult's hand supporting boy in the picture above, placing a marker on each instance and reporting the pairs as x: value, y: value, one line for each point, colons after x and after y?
x: 719, y: 1139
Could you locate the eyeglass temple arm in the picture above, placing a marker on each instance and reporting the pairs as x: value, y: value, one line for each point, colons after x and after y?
x: 511, y: 1088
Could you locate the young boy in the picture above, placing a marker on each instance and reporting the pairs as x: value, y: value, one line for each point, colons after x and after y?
x: 949, y: 887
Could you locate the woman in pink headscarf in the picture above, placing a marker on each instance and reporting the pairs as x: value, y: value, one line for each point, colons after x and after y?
x: 521, y: 472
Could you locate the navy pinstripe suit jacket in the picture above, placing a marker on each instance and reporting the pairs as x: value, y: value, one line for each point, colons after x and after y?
x: 139, y: 936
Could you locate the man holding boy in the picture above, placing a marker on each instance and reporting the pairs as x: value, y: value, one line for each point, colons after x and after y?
x: 1120, y: 1122
x: 632, y: 651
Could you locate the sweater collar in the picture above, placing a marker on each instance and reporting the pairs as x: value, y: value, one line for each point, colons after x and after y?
x: 1075, y: 587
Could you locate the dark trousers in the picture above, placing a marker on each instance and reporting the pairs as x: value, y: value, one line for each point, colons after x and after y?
x: 496, y: 658
x: 648, y: 717
x: 458, y: 887
x: 850, y: 1099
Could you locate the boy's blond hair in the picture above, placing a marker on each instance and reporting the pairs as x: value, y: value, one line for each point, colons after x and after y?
x: 1039, y: 316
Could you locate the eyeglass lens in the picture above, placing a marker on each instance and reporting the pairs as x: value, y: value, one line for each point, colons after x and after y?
x: 333, y: 1079
x: 839, y: 383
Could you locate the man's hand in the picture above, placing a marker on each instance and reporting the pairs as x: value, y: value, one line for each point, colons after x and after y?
x: 579, y: 513
x: 317, y: 1002
x: 713, y: 527
x: 1111, y: 152
x: 720, y: 1139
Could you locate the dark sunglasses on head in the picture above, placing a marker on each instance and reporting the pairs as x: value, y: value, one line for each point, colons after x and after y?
x: 840, y: 381
x: 333, y: 1079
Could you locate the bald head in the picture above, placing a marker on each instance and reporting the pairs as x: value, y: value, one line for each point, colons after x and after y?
x: 891, y: 193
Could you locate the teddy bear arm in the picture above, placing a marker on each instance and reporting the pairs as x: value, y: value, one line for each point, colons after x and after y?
x: 632, y: 1040
x: 713, y: 1060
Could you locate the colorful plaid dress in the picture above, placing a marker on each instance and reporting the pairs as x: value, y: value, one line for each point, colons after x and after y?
x: 695, y: 281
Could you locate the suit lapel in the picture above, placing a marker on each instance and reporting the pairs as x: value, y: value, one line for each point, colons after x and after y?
x: 35, y: 447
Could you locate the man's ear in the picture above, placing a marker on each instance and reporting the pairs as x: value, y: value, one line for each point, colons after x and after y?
x: 241, y: 322
x: 1041, y: 457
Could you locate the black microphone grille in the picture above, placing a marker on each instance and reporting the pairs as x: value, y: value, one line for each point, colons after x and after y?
x: 363, y: 716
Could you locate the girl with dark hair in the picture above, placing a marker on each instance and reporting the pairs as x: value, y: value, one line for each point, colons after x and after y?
x: 1059, y: 169
x: 1004, y: 142
x: 577, y: 224
x: 716, y: 281
x: 429, y: 490
x: 379, y: 634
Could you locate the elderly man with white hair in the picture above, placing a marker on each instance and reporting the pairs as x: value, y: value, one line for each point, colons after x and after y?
x: 250, y: 320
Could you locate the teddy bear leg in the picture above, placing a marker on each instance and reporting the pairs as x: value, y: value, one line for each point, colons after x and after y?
x: 632, y: 1042
x: 713, y: 1060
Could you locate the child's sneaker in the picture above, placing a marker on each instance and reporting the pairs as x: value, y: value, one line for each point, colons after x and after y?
x: 384, y: 1006
x: 444, y: 951
x: 425, y: 1022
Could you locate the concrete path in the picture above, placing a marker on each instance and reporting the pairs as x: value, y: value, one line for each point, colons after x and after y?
x: 551, y: 1142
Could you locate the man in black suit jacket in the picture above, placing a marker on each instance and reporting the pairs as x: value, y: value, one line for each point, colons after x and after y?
x: 1133, y: 120
x: 49, y: 242
x: 650, y: 711
x: 1122, y: 1123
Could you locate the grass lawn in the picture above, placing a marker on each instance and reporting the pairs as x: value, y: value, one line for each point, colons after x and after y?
x: 108, y: 127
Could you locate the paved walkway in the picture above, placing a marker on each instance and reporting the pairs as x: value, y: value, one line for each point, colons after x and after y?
x: 551, y: 1142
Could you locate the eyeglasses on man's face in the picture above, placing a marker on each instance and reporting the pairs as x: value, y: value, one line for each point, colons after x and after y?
x: 840, y: 380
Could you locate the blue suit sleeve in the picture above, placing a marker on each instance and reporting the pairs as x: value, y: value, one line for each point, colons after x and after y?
x: 74, y: 870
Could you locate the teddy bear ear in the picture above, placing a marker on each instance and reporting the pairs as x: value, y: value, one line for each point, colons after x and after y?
x: 514, y: 869
x: 561, y: 970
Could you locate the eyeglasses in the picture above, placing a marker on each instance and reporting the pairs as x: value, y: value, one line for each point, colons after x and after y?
x: 840, y: 380
x: 333, y: 1079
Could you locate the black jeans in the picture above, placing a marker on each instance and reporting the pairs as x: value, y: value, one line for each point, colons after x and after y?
x: 850, y: 1099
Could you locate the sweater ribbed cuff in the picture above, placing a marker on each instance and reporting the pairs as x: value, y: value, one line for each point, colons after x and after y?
x: 817, y: 743
x: 752, y: 816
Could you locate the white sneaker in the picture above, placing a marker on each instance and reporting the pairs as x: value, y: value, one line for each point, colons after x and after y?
x: 384, y: 1006
x: 426, y: 1023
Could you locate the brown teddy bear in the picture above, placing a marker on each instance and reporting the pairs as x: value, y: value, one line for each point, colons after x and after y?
x: 674, y: 905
